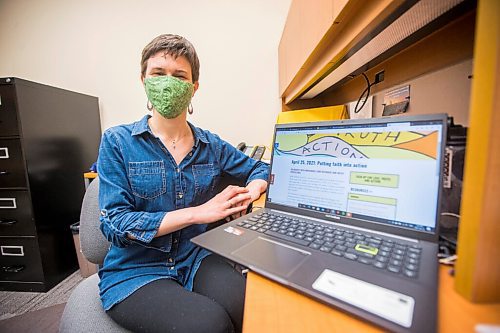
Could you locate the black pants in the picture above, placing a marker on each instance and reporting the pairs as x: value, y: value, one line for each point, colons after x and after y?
x: 215, y: 305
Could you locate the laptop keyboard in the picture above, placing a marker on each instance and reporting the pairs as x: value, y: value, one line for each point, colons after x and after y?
x: 379, y: 252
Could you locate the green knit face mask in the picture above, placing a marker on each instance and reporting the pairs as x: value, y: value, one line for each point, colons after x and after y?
x: 169, y: 95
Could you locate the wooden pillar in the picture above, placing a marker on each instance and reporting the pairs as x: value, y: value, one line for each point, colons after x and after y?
x: 478, y: 266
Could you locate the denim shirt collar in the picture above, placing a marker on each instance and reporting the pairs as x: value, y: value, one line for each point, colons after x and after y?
x: 142, y: 126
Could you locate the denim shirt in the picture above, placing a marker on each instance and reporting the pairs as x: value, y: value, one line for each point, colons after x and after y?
x: 140, y: 182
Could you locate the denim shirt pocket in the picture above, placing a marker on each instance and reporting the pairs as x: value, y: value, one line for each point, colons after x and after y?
x: 147, y: 179
x: 204, y: 179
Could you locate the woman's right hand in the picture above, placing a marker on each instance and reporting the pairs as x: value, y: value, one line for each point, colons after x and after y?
x: 224, y: 204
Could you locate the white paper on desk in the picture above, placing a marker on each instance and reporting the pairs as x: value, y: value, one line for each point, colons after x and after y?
x: 486, y: 328
x: 380, y: 301
x: 365, y: 112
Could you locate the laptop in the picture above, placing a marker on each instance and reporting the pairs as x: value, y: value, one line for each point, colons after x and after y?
x: 351, y: 218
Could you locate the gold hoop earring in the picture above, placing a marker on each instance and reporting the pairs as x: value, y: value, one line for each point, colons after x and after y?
x: 149, y: 106
x: 190, y: 108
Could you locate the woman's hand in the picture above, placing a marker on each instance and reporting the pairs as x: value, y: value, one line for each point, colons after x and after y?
x: 232, y: 200
x: 255, y: 189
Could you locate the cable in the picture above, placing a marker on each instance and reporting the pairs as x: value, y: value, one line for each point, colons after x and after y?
x: 366, y: 91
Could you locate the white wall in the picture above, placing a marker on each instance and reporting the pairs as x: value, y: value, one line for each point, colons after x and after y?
x: 94, y: 47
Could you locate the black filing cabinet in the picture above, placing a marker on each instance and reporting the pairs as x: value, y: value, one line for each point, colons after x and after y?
x: 48, y: 138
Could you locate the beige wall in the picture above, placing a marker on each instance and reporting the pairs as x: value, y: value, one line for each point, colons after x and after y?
x: 94, y: 47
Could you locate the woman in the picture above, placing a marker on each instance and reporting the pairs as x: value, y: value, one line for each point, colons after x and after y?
x: 158, y: 178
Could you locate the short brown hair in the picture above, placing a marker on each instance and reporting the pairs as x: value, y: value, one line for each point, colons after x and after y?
x: 175, y: 46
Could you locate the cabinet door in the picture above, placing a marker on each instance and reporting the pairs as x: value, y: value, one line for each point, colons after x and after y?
x: 12, y: 170
x: 8, y: 113
x: 306, y: 25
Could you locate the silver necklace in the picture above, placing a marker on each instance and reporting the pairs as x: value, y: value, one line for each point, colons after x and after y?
x: 176, y: 141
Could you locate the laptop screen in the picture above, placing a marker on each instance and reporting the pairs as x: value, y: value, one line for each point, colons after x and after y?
x: 382, y: 172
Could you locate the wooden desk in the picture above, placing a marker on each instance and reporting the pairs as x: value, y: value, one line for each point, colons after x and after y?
x: 271, y: 307
x: 87, y: 178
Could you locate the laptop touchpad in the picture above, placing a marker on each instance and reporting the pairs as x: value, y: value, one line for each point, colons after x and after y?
x: 272, y: 256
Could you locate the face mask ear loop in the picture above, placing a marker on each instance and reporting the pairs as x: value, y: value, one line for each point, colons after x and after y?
x: 149, y: 106
x: 190, y: 108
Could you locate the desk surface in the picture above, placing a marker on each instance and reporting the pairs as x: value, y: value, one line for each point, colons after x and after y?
x: 90, y: 175
x: 271, y: 307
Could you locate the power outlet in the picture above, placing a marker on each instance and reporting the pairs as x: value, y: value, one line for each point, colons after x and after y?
x: 379, y: 77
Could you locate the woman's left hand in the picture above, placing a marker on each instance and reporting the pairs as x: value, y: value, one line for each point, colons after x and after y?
x: 255, y: 189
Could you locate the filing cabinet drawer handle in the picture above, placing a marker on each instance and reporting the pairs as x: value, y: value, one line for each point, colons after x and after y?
x: 4, y: 152
x: 13, y: 268
x: 7, y: 221
x: 8, y: 203
x: 3, y: 173
x: 12, y: 250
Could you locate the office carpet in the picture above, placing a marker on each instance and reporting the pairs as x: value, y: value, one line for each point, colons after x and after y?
x: 45, y: 320
x: 15, y: 303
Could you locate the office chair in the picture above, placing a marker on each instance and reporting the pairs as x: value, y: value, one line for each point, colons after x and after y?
x: 83, y: 311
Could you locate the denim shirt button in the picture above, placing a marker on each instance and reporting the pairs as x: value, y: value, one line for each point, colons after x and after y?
x: 175, y: 240
x: 178, y: 170
x: 172, y: 268
x: 170, y: 260
x: 180, y: 195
